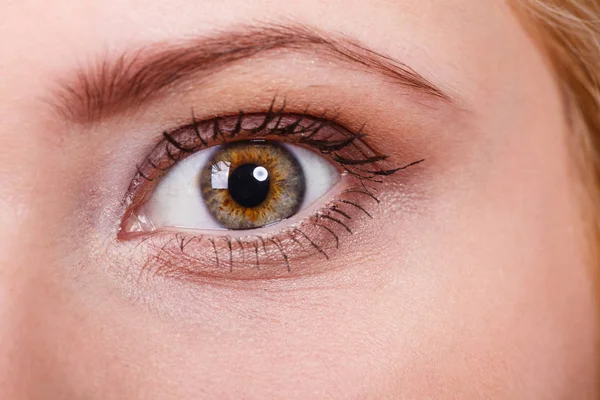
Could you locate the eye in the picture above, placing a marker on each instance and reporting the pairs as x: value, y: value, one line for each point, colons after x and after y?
x: 237, y: 186
x: 252, y: 196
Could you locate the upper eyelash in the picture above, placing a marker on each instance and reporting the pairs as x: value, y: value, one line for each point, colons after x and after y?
x: 327, y: 146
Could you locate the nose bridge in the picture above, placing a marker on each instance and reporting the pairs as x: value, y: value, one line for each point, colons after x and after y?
x: 26, y: 264
x: 30, y: 306
x: 14, y: 328
x: 18, y: 328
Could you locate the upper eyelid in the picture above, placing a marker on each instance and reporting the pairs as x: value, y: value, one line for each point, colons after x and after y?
x: 189, y: 138
x: 185, y: 139
x: 116, y: 85
x: 164, y: 155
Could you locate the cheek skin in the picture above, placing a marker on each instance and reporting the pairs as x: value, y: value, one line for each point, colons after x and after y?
x: 448, y: 315
x: 481, y: 291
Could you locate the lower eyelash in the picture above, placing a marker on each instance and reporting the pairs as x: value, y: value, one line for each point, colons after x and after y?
x: 286, y: 253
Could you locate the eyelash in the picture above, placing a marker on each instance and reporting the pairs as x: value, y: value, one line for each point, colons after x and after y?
x: 348, y: 151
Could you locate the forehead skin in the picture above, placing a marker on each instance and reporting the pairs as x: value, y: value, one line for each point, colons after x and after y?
x: 481, y: 293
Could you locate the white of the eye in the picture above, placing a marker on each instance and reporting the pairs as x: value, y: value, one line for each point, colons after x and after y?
x: 320, y: 175
x: 177, y: 201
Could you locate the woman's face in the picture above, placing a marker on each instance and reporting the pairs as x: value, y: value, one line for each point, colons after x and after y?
x: 464, y: 275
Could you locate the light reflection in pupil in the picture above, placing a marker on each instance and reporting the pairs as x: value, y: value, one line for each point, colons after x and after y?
x: 249, y: 185
x: 261, y: 174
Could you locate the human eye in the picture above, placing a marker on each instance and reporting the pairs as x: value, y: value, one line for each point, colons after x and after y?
x: 239, y: 186
x: 253, y: 195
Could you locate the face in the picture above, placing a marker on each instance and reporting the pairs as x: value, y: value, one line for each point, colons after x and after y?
x: 299, y: 200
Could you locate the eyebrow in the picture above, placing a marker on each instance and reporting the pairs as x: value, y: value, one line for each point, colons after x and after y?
x: 115, y: 85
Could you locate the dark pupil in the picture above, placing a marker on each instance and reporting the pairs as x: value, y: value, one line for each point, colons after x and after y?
x: 249, y: 185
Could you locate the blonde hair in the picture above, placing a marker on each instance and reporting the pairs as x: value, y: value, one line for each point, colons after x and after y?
x: 569, y: 31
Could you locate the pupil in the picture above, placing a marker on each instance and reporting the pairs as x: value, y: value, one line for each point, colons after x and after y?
x: 249, y: 185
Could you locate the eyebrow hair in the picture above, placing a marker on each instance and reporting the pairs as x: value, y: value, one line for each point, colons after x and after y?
x: 132, y: 79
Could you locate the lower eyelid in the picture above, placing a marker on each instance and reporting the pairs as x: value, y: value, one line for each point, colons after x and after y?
x: 307, y: 247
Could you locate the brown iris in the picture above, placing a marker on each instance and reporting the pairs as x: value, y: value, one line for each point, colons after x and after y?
x: 251, y: 184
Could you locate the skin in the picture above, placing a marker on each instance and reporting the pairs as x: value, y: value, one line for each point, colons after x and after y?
x: 471, y: 281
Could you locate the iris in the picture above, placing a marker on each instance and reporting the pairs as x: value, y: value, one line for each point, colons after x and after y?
x: 250, y: 184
